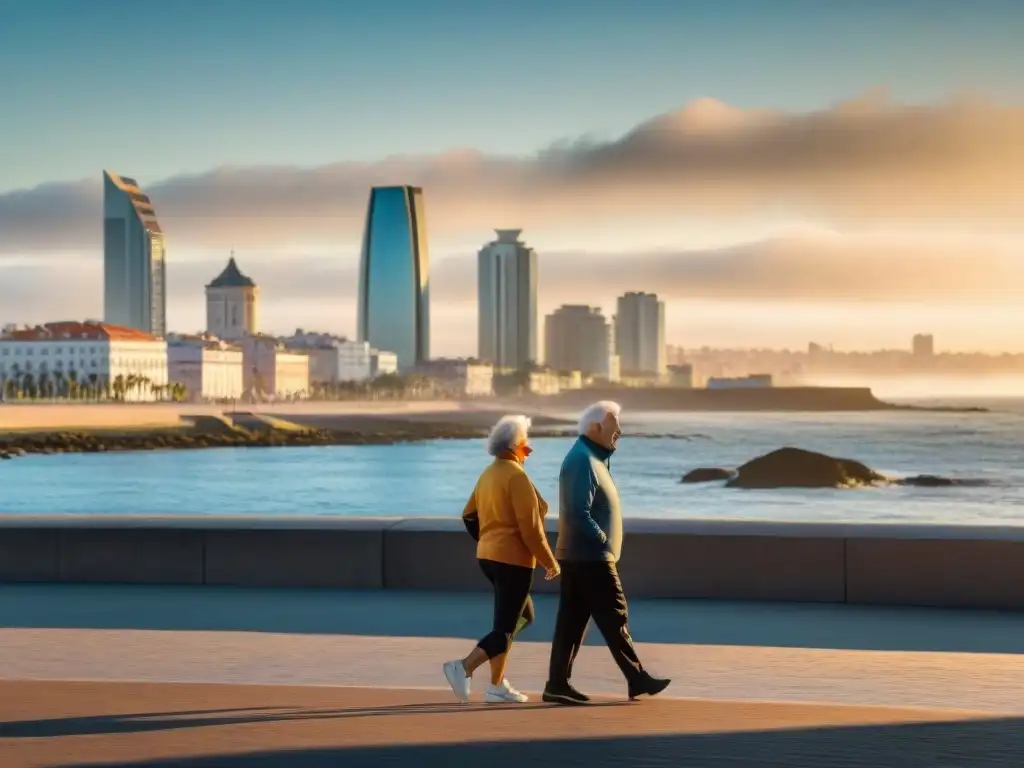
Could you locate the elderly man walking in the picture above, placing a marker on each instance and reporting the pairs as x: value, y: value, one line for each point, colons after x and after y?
x: 588, y: 548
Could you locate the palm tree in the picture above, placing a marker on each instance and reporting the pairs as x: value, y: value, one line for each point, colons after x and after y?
x: 117, y: 387
x: 15, y: 379
x: 73, y: 388
x: 129, y: 385
x: 44, y: 384
x: 60, y: 384
x: 94, y: 385
x: 29, y: 386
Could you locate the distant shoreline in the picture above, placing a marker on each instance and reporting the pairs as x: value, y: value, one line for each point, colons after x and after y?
x: 739, y: 400
x: 20, y: 417
x: 69, y: 428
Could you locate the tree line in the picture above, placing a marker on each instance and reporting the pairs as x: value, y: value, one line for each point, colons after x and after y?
x: 58, y: 385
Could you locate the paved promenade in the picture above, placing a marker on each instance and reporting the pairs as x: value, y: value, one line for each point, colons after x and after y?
x: 354, y: 680
x: 78, y: 724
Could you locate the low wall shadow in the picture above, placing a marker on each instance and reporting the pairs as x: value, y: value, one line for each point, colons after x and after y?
x: 467, y: 615
x: 995, y: 743
x: 148, y: 722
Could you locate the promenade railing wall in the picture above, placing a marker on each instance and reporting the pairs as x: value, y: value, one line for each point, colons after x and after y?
x: 878, y: 564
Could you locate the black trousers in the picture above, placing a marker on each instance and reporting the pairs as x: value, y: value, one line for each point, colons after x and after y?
x: 512, y: 602
x: 591, y: 589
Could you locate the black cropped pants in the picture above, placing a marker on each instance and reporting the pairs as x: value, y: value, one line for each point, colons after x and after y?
x: 513, y: 607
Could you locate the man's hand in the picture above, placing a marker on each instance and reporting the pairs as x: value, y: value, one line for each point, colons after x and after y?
x: 552, y: 573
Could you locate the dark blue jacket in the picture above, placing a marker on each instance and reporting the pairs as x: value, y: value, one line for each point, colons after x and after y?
x: 589, y: 515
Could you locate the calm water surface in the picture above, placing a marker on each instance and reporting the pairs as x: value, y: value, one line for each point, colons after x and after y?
x: 434, y: 479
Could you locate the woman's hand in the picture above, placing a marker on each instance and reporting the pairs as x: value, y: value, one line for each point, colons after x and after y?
x: 552, y: 573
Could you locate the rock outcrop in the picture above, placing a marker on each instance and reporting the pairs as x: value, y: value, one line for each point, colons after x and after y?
x: 938, y: 481
x: 797, y: 468
x: 208, y: 433
x: 707, y: 475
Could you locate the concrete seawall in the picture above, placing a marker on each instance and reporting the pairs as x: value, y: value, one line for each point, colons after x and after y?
x: 940, y: 566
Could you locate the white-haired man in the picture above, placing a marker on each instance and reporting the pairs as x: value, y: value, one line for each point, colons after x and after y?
x: 588, y: 548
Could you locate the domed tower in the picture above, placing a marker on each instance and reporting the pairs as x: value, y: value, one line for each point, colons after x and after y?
x: 232, y: 304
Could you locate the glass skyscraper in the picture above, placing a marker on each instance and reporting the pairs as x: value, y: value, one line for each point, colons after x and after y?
x: 134, y: 272
x: 394, y: 286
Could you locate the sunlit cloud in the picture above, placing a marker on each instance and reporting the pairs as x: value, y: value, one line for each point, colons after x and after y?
x: 856, y: 164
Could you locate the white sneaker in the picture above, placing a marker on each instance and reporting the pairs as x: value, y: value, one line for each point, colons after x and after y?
x: 455, y: 673
x: 504, y: 693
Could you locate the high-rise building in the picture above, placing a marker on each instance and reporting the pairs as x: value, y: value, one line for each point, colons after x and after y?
x: 394, y: 295
x: 578, y: 338
x: 640, y: 334
x: 923, y: 345
x: 507, y: 301
x: 232, y: 304
x: 134, y: 270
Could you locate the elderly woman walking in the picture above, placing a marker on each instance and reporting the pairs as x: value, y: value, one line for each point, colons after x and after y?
x: 505, y: 514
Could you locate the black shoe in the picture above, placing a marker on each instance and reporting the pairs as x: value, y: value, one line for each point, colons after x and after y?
x: 648, y: 686
x: 563, y: 693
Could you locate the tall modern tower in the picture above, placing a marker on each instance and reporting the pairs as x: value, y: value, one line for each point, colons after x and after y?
x: 507, y: 301
x: 134, y: 271
x: 640, y: 333
x: 394, y: 284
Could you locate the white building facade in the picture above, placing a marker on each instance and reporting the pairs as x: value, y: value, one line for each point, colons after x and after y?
x: 58, y: 359
x: 272, y: 372
x: 507, y: 302
x: 337, y: 359
x: 468, y: 378
x: 547, y: 382
x: 382, y: 363
x: 209, y: 368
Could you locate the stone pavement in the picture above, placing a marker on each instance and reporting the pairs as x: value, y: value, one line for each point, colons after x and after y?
x: 731, y: 663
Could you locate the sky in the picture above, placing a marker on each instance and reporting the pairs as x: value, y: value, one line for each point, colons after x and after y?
x: 851, y: 172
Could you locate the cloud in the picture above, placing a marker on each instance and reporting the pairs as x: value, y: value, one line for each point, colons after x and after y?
x: 867, y: 160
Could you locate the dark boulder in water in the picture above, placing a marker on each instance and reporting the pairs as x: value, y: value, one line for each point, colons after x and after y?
x: 937, y: 481
x: 797, y: 468
x: 927, y: 481
x: 707, y: 475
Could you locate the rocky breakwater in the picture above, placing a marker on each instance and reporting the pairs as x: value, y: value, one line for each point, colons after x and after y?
x: 797, y: 468
x: 220, y: 432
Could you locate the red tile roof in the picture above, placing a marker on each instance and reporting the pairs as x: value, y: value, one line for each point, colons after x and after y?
x: 65, y: 331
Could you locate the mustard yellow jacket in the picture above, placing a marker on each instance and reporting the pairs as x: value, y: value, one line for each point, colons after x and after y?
x: 511, y: 513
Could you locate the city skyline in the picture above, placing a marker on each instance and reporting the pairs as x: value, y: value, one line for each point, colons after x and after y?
x: 762, y: 172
